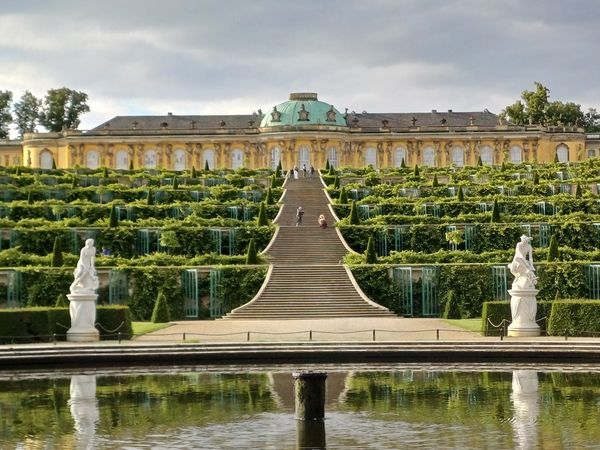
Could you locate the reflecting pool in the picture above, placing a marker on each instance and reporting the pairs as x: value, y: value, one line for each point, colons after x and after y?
x: 392, y: 408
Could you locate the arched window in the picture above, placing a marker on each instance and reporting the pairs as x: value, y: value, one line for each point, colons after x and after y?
x: 122, y: 160
x: 458, y: 156
x: 208, y: 159
x: 429, y: 156
x: 150, y: 159
x: 237, y: 159
x: 399, y: 155
x: 516, y: 154
x: 371, y: 157
x: 179, y: 159
x: 92, y: 159
x: 487, y: 155
x: 562, y: 151
x: 303, y: 157
x: 332, y: 156
x: 275, y: 157
x: 46, y: 159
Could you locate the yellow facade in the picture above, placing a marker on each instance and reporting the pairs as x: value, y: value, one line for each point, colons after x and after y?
x: 304, y: 131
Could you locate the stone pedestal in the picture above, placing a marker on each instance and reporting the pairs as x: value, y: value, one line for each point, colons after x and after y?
x: 309, y: 391
x: 523, y: 309
x: 83, y: 317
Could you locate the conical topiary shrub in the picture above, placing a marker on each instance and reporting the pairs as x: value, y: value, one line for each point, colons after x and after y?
x: 331, y: 170
x: 461, y: 195
x: 206, y: 166
x: 18, y: 171
x: 113, y: 220
x: 416, y: 173
x: 262, y: 215
x: 553, y: 252
x: 354, y: 219
x: 61, y: 301
x: 536, y: 178
x: 131, y: 164
x: 53, y: 164
x: 251, y: 256
x: 175, y: 183
x: 269, y: 197
x: 57, y: 256
x: 452, y: 308
x: 160, y: 313
x: 327, y: 165
x: 503, y: 166
x: 194, y: 174
x: 343, y: 196
x: 495, y: 212
x: 74, y: 182
x: 435, y: 183
x: 556, y: 160
x: 403, y: 164
x: 336, y: 182
x: 578, y: 191
x: 370, y: 253
x: 479, y: 162
x: 150, y: 198
x: 29, y: 198
x: 277, y: 173
x: 104, y: 172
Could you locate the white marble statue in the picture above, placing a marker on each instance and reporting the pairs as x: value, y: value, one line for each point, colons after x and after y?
x: 522, y: 265
x: 86, y: 279
x: 84, y: 409
x: 525, y: 409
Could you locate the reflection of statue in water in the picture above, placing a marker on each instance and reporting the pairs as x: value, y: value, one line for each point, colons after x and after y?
x: 86, y: 280
x: 522, y: 265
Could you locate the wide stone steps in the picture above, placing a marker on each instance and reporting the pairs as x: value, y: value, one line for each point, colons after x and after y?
x: 308, y: 279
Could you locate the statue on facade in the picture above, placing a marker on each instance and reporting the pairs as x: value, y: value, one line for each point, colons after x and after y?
x: 86, y: 279
x: 522, y: 265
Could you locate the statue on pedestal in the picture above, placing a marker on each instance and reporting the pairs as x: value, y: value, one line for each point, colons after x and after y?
x: 523, y: 305
x: 86, y: 279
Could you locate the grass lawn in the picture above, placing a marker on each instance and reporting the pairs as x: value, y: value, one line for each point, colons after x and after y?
x: 466, y: 324
x: 147, y: 327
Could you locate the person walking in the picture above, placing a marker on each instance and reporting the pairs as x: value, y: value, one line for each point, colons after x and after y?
x: 299, y: 214
x: 303, y: 170
x: 312, y: 171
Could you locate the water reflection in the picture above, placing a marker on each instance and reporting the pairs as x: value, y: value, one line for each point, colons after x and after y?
x: 84, y: 409
x: 525, y: 408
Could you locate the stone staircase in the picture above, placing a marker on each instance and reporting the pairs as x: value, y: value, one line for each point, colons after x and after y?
x: 307, y: 278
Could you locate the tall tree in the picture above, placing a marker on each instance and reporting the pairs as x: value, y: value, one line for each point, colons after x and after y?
x: 591, y: 121
x: 27, y: 113
x: 62, y: 109
x: 5, y: 115
x: 535, y: 107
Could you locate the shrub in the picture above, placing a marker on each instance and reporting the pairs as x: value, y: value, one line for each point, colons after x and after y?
x: 452, y: 308
x: 113, y: 220
x: 354, y: 220
x: 336, y: 182
x: 496, y: 212
x: 343, y: 199
x: 194, y: 174
x: 574, y: 318
x: 269, y: 197
x: 206, y: 167
x: 500, y: 310
x: 553, y: 252
x: 252, y: 257
x: 416, y: 171
x: 370, y: 253
x: 57, y: 256
x: 326, y: 165
x: 578, y: 191
x: 262, y: 216
x: 61, y: 301
x: 160, y: 313
x: 435, y: 183
x: 461, y: 195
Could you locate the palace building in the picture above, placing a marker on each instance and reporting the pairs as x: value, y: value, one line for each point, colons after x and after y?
x: 301, y: 131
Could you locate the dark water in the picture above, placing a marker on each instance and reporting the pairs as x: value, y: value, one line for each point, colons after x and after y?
x: 384, y: 409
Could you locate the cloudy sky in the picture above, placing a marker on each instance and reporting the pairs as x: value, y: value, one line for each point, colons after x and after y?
x: 234, y: 57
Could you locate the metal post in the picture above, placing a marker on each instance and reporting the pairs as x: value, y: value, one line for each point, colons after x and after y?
x: 184, y: 336
x: 437, y: 334
x: 373, y: 335
x: 310, y: 335
x: 120, y: 337
x: 248, y: 336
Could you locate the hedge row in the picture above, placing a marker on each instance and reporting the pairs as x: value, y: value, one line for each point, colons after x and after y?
x: 472, y: 284
x: 40, y: 287
x: 38, y: 324
x: 563, y: 317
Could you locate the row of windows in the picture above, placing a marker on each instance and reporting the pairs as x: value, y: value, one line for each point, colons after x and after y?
x: 150, y: 158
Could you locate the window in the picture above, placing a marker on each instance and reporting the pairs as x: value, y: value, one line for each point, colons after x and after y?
x: 303, y: 157
x: 46, y: 159
x: 237, y: 159
x: 209, y: 159
x: 332, y: 156
x: 399, y: 155
x: 150, y: 159
x: 429, y: 156
x: 92, y: 159
x: 516, y: 154
x: 562, y: 151
x: 275, y: 157
x: 371, y: 157
x: 122, y: 160
x: 487, y: 155
x: 458, y: 156
x: 179, y: 159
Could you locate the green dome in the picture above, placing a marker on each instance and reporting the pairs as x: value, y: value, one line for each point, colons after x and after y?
x: 303, y: 109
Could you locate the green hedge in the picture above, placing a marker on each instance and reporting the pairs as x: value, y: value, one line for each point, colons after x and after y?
x: 496, y: 312
x: 575, y: 318
x: 38, y: 324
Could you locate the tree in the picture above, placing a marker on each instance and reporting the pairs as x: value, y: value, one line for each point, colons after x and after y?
x: 206, y: 167
x: 416, y: 172
x: 27, y: 113
x: 578, y: 191
x: 62, y: 109
x: 461, y: 195
x: 160, y: 313
x: 452, y: 308
x: 370, y: 253
x: 327, y: 165
x: 53, y: 164
x: 74, y: 182
x: 262, y: 215
x: 479, y: 162
x: 343, y: 196
x: 5, y: 115
x: 251, y: 256
x: 57, y: 256
x: 553, y: 252
x: 194, y: 174
x: 269, y: 197
x: 496, y: 212
x: 435, y: 183
x: 150, y: 198
x: 105, y: 172
x: 336, y: 182
x: 29, y: 198
x: 113, y: 220
x: 591, y: 121
x: 402, y: 164
x: 175, y: 183
x: 536, y: 178
x: 354, y: 220
x: 536, y: 108
x: 556, y: 160
x: 131, y: 164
